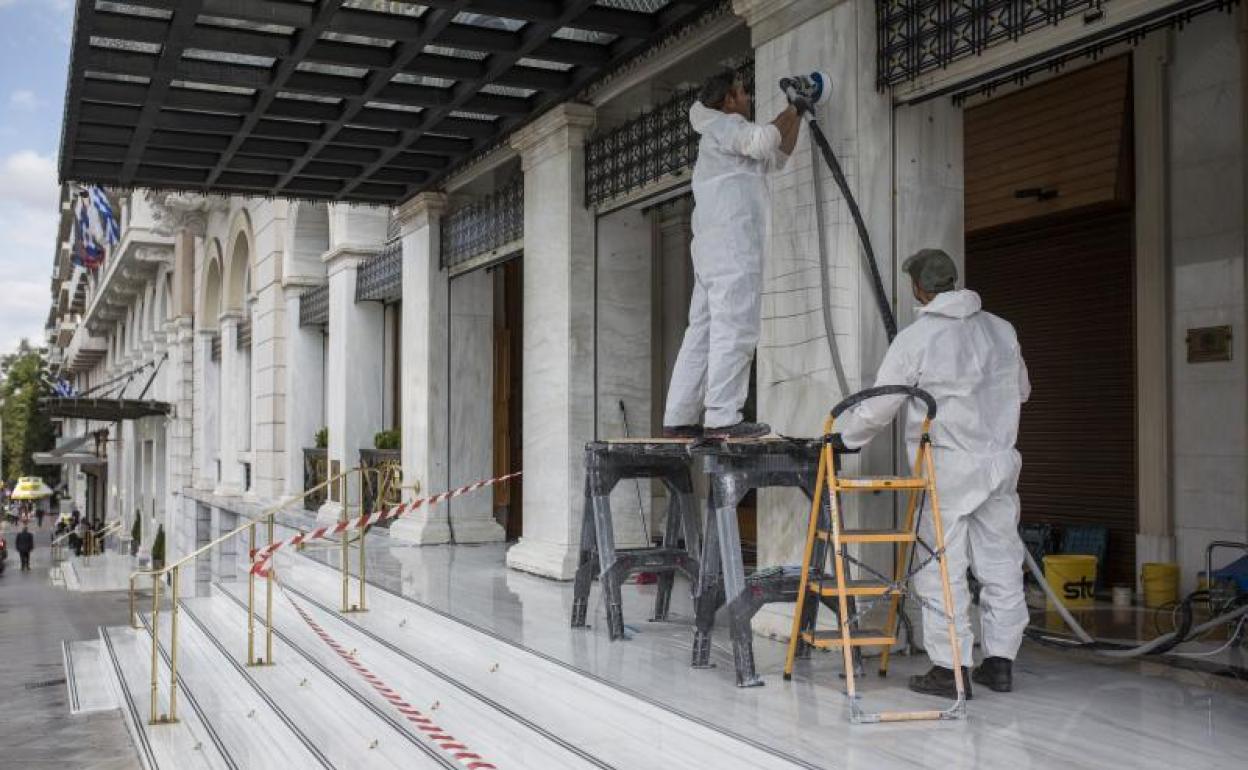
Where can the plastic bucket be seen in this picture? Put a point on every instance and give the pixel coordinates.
(1159, 582)
(1072, 577)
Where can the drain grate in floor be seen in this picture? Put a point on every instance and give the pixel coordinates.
(45, 683)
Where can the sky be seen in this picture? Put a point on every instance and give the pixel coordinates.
(34, 57)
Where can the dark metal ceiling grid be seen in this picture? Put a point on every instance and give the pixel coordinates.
(357, 100)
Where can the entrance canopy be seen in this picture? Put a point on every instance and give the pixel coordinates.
(103, 409)
(349, 100)
(74, 451)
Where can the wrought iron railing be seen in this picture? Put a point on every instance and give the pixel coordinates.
(484, 225)
(243, 339)
(380, 279)
(215, 352)
(314, 306)
(918, 36)
(315, 471)
(656, 145)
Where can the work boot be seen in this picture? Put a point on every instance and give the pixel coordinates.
(995, 673)
(682, 431)
(742, 429)
(939, 681)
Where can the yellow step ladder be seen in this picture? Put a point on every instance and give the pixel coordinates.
(827, 528)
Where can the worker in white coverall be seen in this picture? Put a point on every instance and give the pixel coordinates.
(969, 361)
(729, 229)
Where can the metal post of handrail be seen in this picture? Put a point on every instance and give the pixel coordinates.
(134, 618)
(173, 649)
(363, 530)
(251, 597)
(343, 516)
(155, 720)
(268, 603)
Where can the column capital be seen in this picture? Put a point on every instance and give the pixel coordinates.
(768, 19)
(348, 257)
(419, 210)
(562, 128)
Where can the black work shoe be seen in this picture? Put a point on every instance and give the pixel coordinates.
(742, 429)
(682, 431)
(995, 673)
(939, 681)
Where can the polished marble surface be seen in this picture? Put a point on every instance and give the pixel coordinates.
(1066, 711)
(108, 571)
(86, 677)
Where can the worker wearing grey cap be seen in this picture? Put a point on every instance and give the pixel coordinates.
(969, 360)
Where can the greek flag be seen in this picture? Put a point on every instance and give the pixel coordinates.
(63, 389)
(108, 223)
(87, 251)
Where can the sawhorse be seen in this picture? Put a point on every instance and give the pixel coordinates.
(606, 464)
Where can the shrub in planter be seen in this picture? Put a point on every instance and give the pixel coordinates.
(388, 439)
(136, 534)
(322, 438)
(158, 548)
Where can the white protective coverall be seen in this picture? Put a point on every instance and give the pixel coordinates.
(969, 361)
(729, 230)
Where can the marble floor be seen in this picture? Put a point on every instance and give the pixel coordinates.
(1067, 710)
(108, 571)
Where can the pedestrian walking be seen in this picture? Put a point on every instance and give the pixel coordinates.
(25, 544)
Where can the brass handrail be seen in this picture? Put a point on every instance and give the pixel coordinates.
(174, 570)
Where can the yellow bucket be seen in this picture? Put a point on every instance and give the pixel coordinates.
(1073, 578)
(1160, 583)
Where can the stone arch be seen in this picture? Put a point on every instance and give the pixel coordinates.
(208, 311)
(307, 240)
(239, 250)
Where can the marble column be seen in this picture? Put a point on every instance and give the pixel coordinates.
(354, 384)
(796, 379)
(208, 409)
(471, 392)
(305, 388)
(558, 411)
(268, 355)
(424, 362)
(230, 412)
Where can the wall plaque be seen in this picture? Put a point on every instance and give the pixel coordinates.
(1208, 344)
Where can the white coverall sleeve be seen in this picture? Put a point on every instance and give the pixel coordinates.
(757, 142)
(1024, 382)
(860, 424)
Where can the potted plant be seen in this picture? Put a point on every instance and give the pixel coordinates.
(158, 548)
(322, 438)
(388, 439)
(136, 534)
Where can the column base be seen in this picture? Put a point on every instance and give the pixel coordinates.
(421, 530)
(329, 512)
(478, 530)
(539, 557)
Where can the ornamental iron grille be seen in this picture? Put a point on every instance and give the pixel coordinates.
(242, 340)
(315, 473)
(380, 279)
(346, 100)
(655, 145)
(215, 350)
(314, 306)
(484, 225)
(918, 36)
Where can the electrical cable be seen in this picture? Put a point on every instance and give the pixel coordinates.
(825, 281)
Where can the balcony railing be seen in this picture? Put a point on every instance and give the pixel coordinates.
(484, 226)
(380, 279)
(314, 306)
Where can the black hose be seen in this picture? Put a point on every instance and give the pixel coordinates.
(877, 283)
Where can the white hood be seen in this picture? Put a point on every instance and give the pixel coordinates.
(962, 303)
(700, 116)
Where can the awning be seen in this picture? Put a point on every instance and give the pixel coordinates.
(330, 100)
(70, 452)
(103, 409)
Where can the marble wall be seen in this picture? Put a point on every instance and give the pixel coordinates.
(624, 354)
(304, 401)
(1207, 222)
(268, 351)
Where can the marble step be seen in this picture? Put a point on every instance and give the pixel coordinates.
(608, 726)
(350, 729)
(252, 730)
(190, 744)
(86, 676)
(474, 721)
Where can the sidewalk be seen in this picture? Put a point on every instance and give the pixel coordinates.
(36, 728)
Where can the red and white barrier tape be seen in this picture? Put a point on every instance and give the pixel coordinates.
(442, 738)
(260, 558)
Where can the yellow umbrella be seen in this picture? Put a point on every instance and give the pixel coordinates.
(30, 488)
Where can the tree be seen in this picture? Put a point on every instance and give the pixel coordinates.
(26, 429)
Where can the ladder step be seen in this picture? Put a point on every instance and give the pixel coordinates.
(876, 483)
(853, 587)
(871, 535)
(860, 637)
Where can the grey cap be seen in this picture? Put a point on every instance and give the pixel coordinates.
(932, 269)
